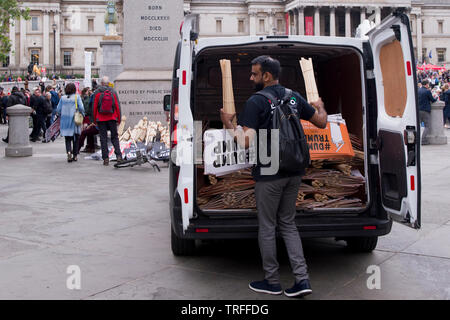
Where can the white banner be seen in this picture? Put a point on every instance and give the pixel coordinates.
(87, 68)
(223, 155)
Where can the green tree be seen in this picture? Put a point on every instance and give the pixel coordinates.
(9, 10)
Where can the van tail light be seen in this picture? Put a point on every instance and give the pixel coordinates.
(186, 195)
(370, 227)
(201, 230)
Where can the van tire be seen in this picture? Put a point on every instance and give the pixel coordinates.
(362, 244)
(182, 247)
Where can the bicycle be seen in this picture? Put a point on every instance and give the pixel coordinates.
(157, 151)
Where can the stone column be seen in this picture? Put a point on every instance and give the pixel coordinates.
(317, 21)
(23, 41)
(58, 38)
(271, 22)
(252, 15)
(332, 21)
(377, 15)
(419, 37)
(348, 28)
(46, 39)
(301, 20)
(19, 141)
(12, 37)
(362, 14)
(295, 20)
(436, 134)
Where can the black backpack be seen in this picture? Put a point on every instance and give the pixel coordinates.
(293, 148)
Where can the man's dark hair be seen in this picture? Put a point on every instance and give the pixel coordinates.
(70, 89)
(424, 82)
(268, 64)
(14, 89)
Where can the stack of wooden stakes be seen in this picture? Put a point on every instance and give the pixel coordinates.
(143, 132)
(330, 183)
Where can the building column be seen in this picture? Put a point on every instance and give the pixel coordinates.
(301, 20)
(317, 21)
(295, 26)
(362, 14)
(23, 41)
(272, 25)
(332, 21)
(58, 38)
(252, 15)
(46, 39)
(377, 15)
(12, 37)
(419, 37)
(348, 26)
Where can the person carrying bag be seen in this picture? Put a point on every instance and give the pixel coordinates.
(71, 110)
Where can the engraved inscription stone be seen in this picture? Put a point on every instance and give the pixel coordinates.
(150, 37)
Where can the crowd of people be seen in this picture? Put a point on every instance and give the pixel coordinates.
(433, 86)
(99, 106)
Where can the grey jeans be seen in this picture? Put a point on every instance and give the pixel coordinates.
(425, 117)
(275, 202)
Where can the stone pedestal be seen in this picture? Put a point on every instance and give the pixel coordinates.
(19, 143)
(112, 58)
(150, 37)
(436, 134)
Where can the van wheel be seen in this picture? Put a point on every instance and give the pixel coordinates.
(362, 244)
(182, 247)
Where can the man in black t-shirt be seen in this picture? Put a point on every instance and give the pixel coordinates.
(275, 194)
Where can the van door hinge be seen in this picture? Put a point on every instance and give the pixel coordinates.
(370, 74)
(397, 33)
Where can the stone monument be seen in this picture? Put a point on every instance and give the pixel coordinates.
(150, 36)
(436, 134)
(111, 45)
(19, 141)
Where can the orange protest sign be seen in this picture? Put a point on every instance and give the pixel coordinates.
(331, 142)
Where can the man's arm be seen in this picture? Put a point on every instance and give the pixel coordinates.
(243, 135)
(320, 117)
(430, 96)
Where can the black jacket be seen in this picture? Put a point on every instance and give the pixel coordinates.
(16, 98)
(425, 99)
(37, 103)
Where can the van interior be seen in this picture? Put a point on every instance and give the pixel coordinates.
(331, 65)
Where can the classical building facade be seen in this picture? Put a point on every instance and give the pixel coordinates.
(59, 31)
(430, 20)
(57, 35)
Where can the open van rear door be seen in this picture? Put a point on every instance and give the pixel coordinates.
(185, 126)
(398, 127)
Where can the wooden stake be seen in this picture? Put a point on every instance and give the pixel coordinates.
(227, 88)
(310, 82)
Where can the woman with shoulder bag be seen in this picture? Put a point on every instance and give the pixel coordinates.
(71, 110)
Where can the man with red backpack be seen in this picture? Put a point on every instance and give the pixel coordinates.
(107, 116)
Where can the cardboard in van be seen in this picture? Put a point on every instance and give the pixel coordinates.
(331, 142)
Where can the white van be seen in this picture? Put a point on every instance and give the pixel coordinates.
(372, 83)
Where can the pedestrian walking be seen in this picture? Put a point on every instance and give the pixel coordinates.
(37, 103)
(276, 194)
(446, 99)
(67, 106)
(3, 106)
(107, 115)
(425, 100)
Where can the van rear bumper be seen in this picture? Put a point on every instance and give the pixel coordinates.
(309, 227)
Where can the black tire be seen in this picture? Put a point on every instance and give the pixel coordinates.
(126, 163)
(181, 247)
(362, 244)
